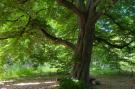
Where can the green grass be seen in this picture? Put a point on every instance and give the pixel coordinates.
(17, 71)
(110, 72)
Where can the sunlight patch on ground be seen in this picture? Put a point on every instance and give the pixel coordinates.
(3, 88)
(1, 83)
(49, 82)
(23, 84)
(34, 83)
(56, 85)
(5, 81)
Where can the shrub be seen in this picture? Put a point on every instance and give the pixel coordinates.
(69, 83)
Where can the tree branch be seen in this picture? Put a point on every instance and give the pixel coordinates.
(112, 45)
(52, 37)
(114, 21)
(96, 2)
(97, 16)
(14, 34)
(12, 20)
(115, 1)
(122, 28)
(71, 7)
(58, 40)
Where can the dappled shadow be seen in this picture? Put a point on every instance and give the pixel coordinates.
(29, 84)
(116, 83)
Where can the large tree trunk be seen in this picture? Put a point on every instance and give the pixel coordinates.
(86, 11)
(83, 53)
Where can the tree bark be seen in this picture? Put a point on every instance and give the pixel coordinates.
(83, 52)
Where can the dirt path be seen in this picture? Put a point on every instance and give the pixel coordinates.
(51, 83)
(116, 83)
(36, 83)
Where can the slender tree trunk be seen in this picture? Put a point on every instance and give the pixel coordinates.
(83, 53)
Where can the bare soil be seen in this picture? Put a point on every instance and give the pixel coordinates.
(116, 82)
(30, 83)
(51, 83)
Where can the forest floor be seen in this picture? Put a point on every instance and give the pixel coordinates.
(51, 83)
(116, 82)
(30, 83)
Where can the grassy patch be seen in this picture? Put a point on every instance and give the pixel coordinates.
(111, 72)
(17, 71)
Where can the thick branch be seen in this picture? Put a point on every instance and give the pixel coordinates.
(4, 38)
(58, 40)
(15, 20)
(97, 16)
(112, 45)
(114, 21)
(96, 3)
(14, 34)
(52, 37)
(71, 7)
(115, 1)
(121, 27)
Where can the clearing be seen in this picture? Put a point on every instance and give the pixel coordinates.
(116, 82)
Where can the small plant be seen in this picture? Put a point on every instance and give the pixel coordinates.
(69, 83)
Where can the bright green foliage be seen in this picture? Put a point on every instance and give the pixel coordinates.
(67, 83)
(22, 41)
(18, 70)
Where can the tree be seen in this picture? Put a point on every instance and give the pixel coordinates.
(87, 12)
(87, 18)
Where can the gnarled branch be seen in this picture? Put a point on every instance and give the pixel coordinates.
(57, 40)
(14, 34)
(52, 37)
(71, 7)
(99, 39)
(7, 35)
(121, 27)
